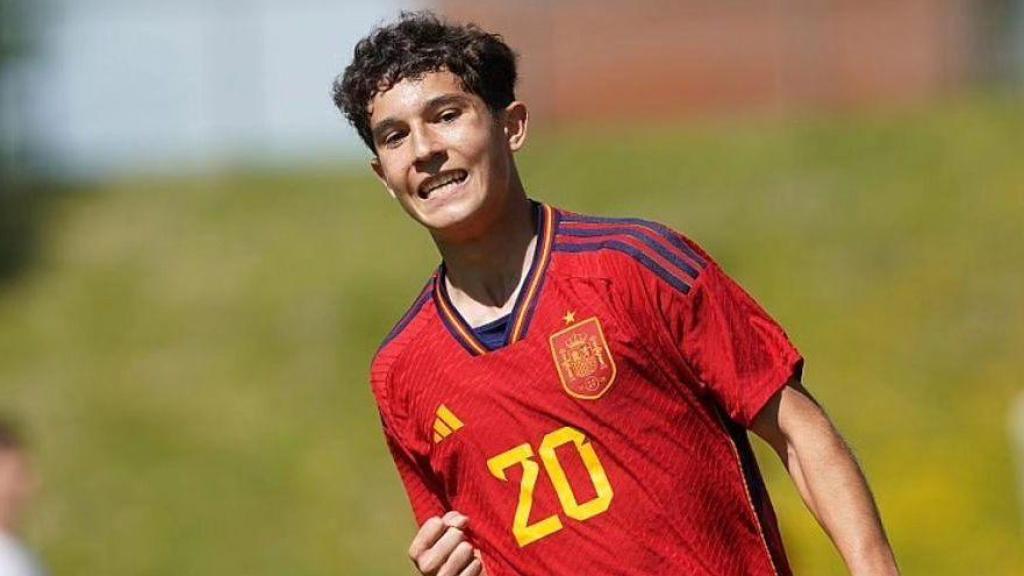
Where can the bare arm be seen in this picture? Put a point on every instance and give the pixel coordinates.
(828, 478)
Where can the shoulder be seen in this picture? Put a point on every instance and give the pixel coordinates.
(407, 318)
(642, 249)
(15, 560)
(396, 345)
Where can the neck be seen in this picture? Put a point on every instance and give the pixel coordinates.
(484, 273)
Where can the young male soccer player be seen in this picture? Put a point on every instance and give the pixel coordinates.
(16, 486)
(570, 395)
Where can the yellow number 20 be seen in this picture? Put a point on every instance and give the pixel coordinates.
(524, 532)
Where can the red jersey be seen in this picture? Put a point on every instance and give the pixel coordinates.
(608, 435)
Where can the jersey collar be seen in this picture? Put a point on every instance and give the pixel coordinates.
(526, 300)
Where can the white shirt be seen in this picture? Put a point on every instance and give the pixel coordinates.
(15, 559)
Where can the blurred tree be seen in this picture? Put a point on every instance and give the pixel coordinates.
(20, 197)
(12, 45)
(999, 40)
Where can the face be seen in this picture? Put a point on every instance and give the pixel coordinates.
(16, 486)
(443, 154)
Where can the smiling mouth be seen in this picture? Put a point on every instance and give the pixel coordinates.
(441, 182)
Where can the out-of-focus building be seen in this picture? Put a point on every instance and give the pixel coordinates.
(1015, 25)
(100, 87)
(596, 59)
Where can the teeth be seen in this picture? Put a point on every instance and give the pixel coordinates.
(443, 180)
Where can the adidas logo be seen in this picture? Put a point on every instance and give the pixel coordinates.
(445, 423)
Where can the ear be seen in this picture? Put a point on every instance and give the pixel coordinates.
(379, 171)
(516, 118)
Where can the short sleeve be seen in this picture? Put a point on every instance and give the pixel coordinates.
(420, 486)
(734, 346)
(410, 454)
(737, 352)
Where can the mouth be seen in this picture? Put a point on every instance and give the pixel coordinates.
(441, 183)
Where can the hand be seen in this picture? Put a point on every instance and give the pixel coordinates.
(440, 548)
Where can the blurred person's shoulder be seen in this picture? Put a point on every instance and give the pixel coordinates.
(15, 559)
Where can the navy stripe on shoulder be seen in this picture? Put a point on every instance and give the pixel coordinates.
(409, 315)
(647, 240)
(664, 231)
(619, 246)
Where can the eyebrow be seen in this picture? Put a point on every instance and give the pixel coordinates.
(433, 103)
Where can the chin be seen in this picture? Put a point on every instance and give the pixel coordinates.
(458, 218)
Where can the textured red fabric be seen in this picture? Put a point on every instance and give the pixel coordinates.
(674, 489)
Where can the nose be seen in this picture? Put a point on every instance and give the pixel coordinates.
(425, 144)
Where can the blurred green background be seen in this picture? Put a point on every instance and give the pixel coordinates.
(190, 355)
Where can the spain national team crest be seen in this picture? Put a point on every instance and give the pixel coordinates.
(583, 359)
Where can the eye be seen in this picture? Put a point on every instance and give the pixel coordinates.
(449, 115)
(393, 139)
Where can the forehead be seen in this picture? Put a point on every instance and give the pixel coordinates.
(409, 96)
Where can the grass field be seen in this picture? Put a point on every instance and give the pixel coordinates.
(191, 355)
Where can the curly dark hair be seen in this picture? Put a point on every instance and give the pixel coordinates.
(416, 44)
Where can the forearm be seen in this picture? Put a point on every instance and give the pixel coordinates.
(828, 478)
(834, 488)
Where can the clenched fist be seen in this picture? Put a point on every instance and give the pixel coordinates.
(440, 548)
